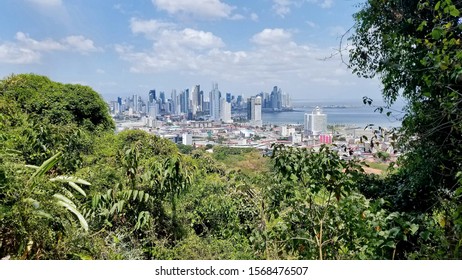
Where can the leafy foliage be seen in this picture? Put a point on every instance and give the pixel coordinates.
(414, 47)
(151, 199)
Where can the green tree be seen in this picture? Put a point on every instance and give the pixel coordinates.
(414, 48)
(313, 210)
(41, 118)
(43, 99)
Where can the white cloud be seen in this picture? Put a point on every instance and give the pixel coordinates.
(26, 50)
(254, 16)
(203, 9)
(52, 9)
(12, 54)
(196, 39)
(168, 36)
(311, 24)
(282, 7)
(150, 28)
(76, 43)
(237, 17)
(327, 4)
(275, 59)
(45, 45)
(172, 48)
(79, 43)
(272, 37)
(46, 3)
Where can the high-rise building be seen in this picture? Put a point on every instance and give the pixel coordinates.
(176, 109)
(316, 122)
(215, 96)
(152, 96)
(254, 111)
(184, 101)
(239, 101)
(152, 110)
(136, 105)
(162, 97)
(286, 102)
(119, 101)
(276, 99)
(187, 139)
(225, 111)
(195, 99)
(200, 102)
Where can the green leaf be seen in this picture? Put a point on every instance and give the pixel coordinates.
(66, 179)
(135, 194)
(436, 33)
(422, 25)
(414, 228)
(120, 206)
(77, 188)
(328, 177)
(69, 205)
(454, 11)
(437, 6)
(46, 166)
(43, 214)
(113, 208)
(389, 244)
(61, 197)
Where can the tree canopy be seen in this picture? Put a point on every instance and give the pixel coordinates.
(47, 101)
(414, 48)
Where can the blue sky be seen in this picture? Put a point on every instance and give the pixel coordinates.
(131, 46)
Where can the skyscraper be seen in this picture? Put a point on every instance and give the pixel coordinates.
(162, 97)
(195, 99)
(176, 110)
(136, 106)
(152, 96)
(215, 96)
(200, 102)
(225, 111)
(316, 122)
(254, 111)
(184, 101)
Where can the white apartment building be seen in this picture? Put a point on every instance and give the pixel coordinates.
(316, 122)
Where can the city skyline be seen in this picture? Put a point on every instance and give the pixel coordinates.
(119, 48)
(191, 105)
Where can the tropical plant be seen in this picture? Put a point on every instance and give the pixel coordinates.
(34, 210)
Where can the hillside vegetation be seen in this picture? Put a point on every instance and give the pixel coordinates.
(70, 188)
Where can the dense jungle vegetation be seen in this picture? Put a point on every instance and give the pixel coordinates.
(70, 188)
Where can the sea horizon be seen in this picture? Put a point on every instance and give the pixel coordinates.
(338, 113)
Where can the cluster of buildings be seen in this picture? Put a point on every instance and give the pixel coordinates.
(191, 117)
(275, 101)
(195, 105)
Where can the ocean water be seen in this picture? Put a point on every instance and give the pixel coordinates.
(350, 115)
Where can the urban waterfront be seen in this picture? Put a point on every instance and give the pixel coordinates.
(349, 115)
